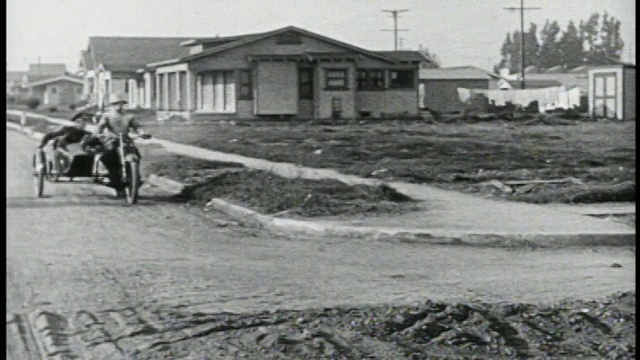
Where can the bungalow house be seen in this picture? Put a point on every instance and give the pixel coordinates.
(285, 72)
(111, 64)
(439, 86)
(56, 90)
(14, 83)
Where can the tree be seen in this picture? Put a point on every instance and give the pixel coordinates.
(570, 45)
(589, 30)
(551, 53)
(531, 46)
(611, 44)
(506, 52)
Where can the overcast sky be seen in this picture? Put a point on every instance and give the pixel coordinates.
(459, 32)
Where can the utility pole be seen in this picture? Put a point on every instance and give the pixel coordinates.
(522, 9)
(395, 30)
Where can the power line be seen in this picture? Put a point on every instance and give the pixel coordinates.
(395, 30)
(522, 9)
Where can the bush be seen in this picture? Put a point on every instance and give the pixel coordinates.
(72, 106)
(11, 99)
(53, 109)
(32, 103)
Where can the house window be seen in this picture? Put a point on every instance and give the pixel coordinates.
(217, 91)
(126, 86)
(306, 84)
(370, 79)
(336, 79)
(54, 90)
(401, 79)
(78, 90)
(246, 92)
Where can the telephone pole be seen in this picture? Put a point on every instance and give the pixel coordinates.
(395, 30)
(522, 9)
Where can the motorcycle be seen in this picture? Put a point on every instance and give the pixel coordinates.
(84, 166)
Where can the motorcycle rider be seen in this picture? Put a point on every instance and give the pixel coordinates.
(111, 124)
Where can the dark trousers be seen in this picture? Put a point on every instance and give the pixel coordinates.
(111, 160)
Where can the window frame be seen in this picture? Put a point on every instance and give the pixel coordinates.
(327, 78)
(365, 84)
(402, 86)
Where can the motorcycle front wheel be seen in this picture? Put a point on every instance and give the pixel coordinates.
(132, 182)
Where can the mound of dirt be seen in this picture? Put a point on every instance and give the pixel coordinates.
(271, 194)
(434, 330)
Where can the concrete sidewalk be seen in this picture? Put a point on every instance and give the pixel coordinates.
(447, 215)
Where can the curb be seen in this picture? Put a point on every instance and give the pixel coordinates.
(406, 235)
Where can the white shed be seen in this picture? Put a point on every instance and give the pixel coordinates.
(612, 92)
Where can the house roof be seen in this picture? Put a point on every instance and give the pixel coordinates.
(15, 75)
(33, 78)
(404, 55)
(52, 79)
(535, 84)
(128, 54)
(555, 69)
(218, 39)
(247, 39)
(87, 60)
(457, 73)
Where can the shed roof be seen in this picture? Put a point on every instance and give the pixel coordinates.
(457, 73)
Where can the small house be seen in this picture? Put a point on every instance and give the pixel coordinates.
(612, 92)
(58, 90)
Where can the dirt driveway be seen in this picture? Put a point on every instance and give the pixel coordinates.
(102, 266)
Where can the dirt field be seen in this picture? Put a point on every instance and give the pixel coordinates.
(590, 161)
(273, 194)
(600, 155)
(434, 330)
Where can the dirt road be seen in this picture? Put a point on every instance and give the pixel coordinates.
(114, 278)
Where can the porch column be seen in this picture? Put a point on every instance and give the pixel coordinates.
(165, 91)
(158, 105)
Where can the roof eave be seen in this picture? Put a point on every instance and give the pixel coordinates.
(165, 62)
(246, 41)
